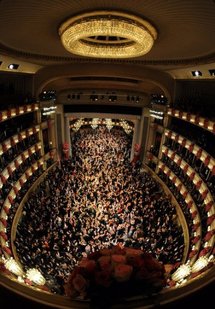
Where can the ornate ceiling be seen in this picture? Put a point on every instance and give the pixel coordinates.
(186, 36)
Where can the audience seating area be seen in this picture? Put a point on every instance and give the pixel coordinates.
(22, 161)
(184, 164)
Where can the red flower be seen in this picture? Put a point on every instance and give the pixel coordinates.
(118, 259)
(69, 287)
(94, 255)
(109, 268)
(104, 261)
(142, 274)
(105, 251)
(79, 283)
(122, 272)
(136, 261)
(152, 264)
(118, 250)
(88, 265)
(103, 278)
(133, 252)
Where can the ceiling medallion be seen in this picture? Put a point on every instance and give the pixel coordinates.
(107, 34)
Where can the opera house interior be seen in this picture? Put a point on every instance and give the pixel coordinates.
(107, 156)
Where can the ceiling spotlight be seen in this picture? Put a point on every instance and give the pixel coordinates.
(13, 66)
(196, 73)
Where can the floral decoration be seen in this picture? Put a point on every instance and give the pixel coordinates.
(116, 273)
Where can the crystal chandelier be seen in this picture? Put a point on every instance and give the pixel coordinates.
(107, 34)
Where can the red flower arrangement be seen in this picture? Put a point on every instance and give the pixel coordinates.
(116, 273)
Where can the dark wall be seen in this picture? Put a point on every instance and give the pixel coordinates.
(92, 108)
(14, 88)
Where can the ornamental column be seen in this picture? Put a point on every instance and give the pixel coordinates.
(145, 128)
(67, 134)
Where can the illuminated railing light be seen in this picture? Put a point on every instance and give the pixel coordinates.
(13, 267)
(181, 273)
(201, 263)
(35, 276)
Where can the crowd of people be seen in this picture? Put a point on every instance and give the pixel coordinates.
(94, 200)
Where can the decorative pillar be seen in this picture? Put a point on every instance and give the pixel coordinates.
(67, 134)
(60, 128)
(51, 131)
(166, 121)
(135, 138)
(145, 126)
